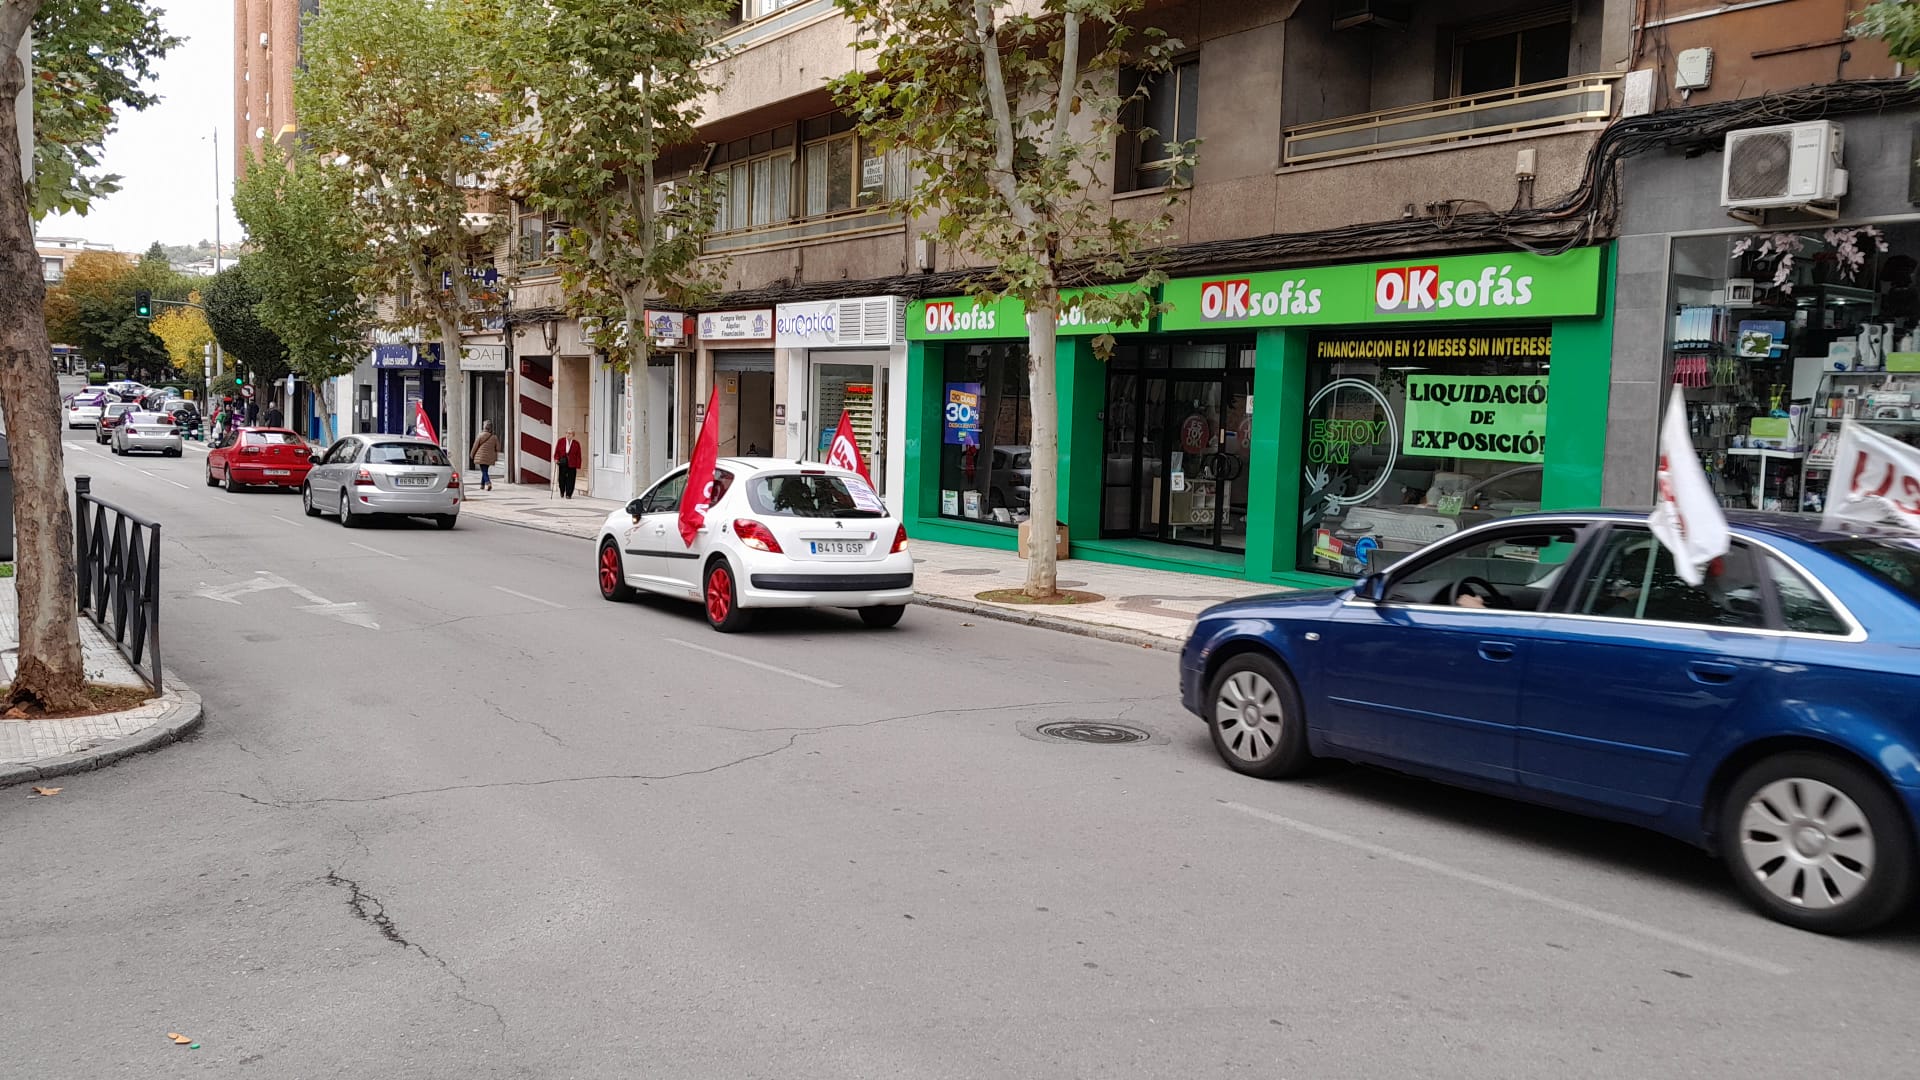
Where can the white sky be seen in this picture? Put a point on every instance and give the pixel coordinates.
(165, 154)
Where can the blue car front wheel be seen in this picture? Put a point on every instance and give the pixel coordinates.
(1258, 724)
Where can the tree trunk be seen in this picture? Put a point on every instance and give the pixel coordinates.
(452, 397)
(50, 674)
(640, 464)
(1043, 493)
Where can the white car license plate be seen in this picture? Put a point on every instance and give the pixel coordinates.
(277, 472)
(838, 547)
(413, 481)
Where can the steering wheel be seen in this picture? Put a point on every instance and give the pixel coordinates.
(1480, 587)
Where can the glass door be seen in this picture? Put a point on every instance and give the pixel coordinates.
(856, 386)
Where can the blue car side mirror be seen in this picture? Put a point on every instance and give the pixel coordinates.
(1372, 587)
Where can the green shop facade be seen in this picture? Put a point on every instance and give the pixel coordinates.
(1296, 426)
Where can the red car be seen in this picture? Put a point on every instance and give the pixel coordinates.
(259, 457)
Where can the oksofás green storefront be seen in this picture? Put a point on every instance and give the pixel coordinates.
(1296, 426)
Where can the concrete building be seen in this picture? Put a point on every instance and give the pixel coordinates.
(1344, 145)
(266, 53)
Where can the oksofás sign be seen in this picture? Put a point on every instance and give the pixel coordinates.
(965, 318)
(1506, 285)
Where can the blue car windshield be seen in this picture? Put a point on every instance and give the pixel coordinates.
(1896, 562)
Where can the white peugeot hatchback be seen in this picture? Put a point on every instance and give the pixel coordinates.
(778, 534)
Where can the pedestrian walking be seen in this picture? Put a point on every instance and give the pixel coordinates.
(253, 412)
(274, 417)
(486, 451)
(566, 462)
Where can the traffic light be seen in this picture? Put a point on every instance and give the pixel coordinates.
(143, 304)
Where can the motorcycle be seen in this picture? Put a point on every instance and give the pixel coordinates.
(187, 420)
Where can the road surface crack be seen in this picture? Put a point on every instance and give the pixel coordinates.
(542, 728)
(368, 909)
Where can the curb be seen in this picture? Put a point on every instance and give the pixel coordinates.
(183, 715)
(527, 525)
(971, 607)
(1049, 622)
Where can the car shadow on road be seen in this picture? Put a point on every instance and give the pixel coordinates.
(1610, 846)
(775, 623)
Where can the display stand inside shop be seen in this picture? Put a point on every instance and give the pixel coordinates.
(1779, 337)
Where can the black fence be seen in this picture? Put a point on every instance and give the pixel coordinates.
(117, 565)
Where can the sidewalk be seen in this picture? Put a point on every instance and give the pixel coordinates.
(1150, 607)
(36, 749)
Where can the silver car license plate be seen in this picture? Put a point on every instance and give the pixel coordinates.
(838, 547)
(413, 481)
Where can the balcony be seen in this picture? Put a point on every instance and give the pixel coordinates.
(859, 222)
(1583, 100)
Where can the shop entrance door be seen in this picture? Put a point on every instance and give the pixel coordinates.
(1176, 461)
(856, 384)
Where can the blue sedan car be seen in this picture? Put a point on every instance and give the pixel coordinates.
(1770, 715)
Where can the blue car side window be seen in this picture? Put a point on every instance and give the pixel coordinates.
(1634, 578)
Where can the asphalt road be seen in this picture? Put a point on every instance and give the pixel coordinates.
(511, 830)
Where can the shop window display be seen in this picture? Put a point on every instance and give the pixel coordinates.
(987, 422)
(1780, 336)
(1178, 430)
(1411, 436)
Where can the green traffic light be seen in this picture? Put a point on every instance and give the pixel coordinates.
(143, 304)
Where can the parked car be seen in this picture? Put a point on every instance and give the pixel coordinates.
(1012, 479)
(778, 534)
(84, 408)
(258, 457)
(361, 477)
(1767, 715)
(110, 415)
(146, 431)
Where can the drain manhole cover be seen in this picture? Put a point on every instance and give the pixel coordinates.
(1098, 732)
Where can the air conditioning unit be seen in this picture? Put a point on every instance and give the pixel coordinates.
(1797, 165)
(1387, 14)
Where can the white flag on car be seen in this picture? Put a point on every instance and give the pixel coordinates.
(1876, 480)
(1686, 515)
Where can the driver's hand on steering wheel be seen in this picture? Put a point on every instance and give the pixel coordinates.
(1468, 600)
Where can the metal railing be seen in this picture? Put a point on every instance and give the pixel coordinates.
(1580, 99)
(117, 569)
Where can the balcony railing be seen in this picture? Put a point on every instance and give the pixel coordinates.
(775, 22)
(863, 219)
(1581, 99)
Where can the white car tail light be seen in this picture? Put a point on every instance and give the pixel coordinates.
(899, 540)
(756, 536)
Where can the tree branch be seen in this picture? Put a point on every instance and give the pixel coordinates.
(1003, 141)
(1069, 78)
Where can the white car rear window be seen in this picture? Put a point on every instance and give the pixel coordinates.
(812, 495)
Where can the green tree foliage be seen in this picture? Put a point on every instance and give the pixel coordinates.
(310, 270)
(1013, 112)
(394, 100)
(233, 299)
(91, 59)
(93, 308)
(612, 85)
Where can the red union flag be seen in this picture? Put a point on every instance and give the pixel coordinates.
(1876, 480)
(1686, 516)
(422, 426)
(706, 450)
(844, 451)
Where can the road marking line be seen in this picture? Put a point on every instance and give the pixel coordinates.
(755, 663)
(1618, 922)
(524, 596)
(377, 551)
(283, 521)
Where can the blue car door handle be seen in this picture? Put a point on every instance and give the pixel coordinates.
(1706, 671)
(1496, 651)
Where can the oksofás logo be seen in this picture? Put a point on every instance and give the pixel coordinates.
(1411, 290)
(1236, 299)
(943, 318)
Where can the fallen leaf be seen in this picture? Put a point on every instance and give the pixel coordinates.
(178, 1038)
(48, 790)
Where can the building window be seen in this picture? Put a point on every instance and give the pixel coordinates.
(986, 427)
(51, 269)
(616, 402)
(845, 172)
(760, 9)
(1411, 436)
(1168, 113)
(1506, 53)
(756, 180)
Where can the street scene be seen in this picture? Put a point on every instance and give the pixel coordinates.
(865, 538)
